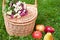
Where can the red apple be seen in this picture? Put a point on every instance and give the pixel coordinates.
(37, 35)
(40, 28)
(49, 29)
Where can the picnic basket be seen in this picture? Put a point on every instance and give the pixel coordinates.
(21, 26)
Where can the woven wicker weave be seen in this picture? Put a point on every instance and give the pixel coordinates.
(22, 26)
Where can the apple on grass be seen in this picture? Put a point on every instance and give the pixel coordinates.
(37, 35)
(48, 36)
(49, 29)
(40, 28)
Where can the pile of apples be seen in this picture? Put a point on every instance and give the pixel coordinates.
(41, 28)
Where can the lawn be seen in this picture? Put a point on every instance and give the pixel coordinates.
(48, 14)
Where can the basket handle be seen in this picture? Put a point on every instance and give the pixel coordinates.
(36, 3)
(3, 4)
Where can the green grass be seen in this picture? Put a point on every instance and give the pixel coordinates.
(49, 14)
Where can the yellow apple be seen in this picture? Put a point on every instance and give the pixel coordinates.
(48, 36)
(40, 28)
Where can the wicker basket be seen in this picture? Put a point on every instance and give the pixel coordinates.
(22, 26)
